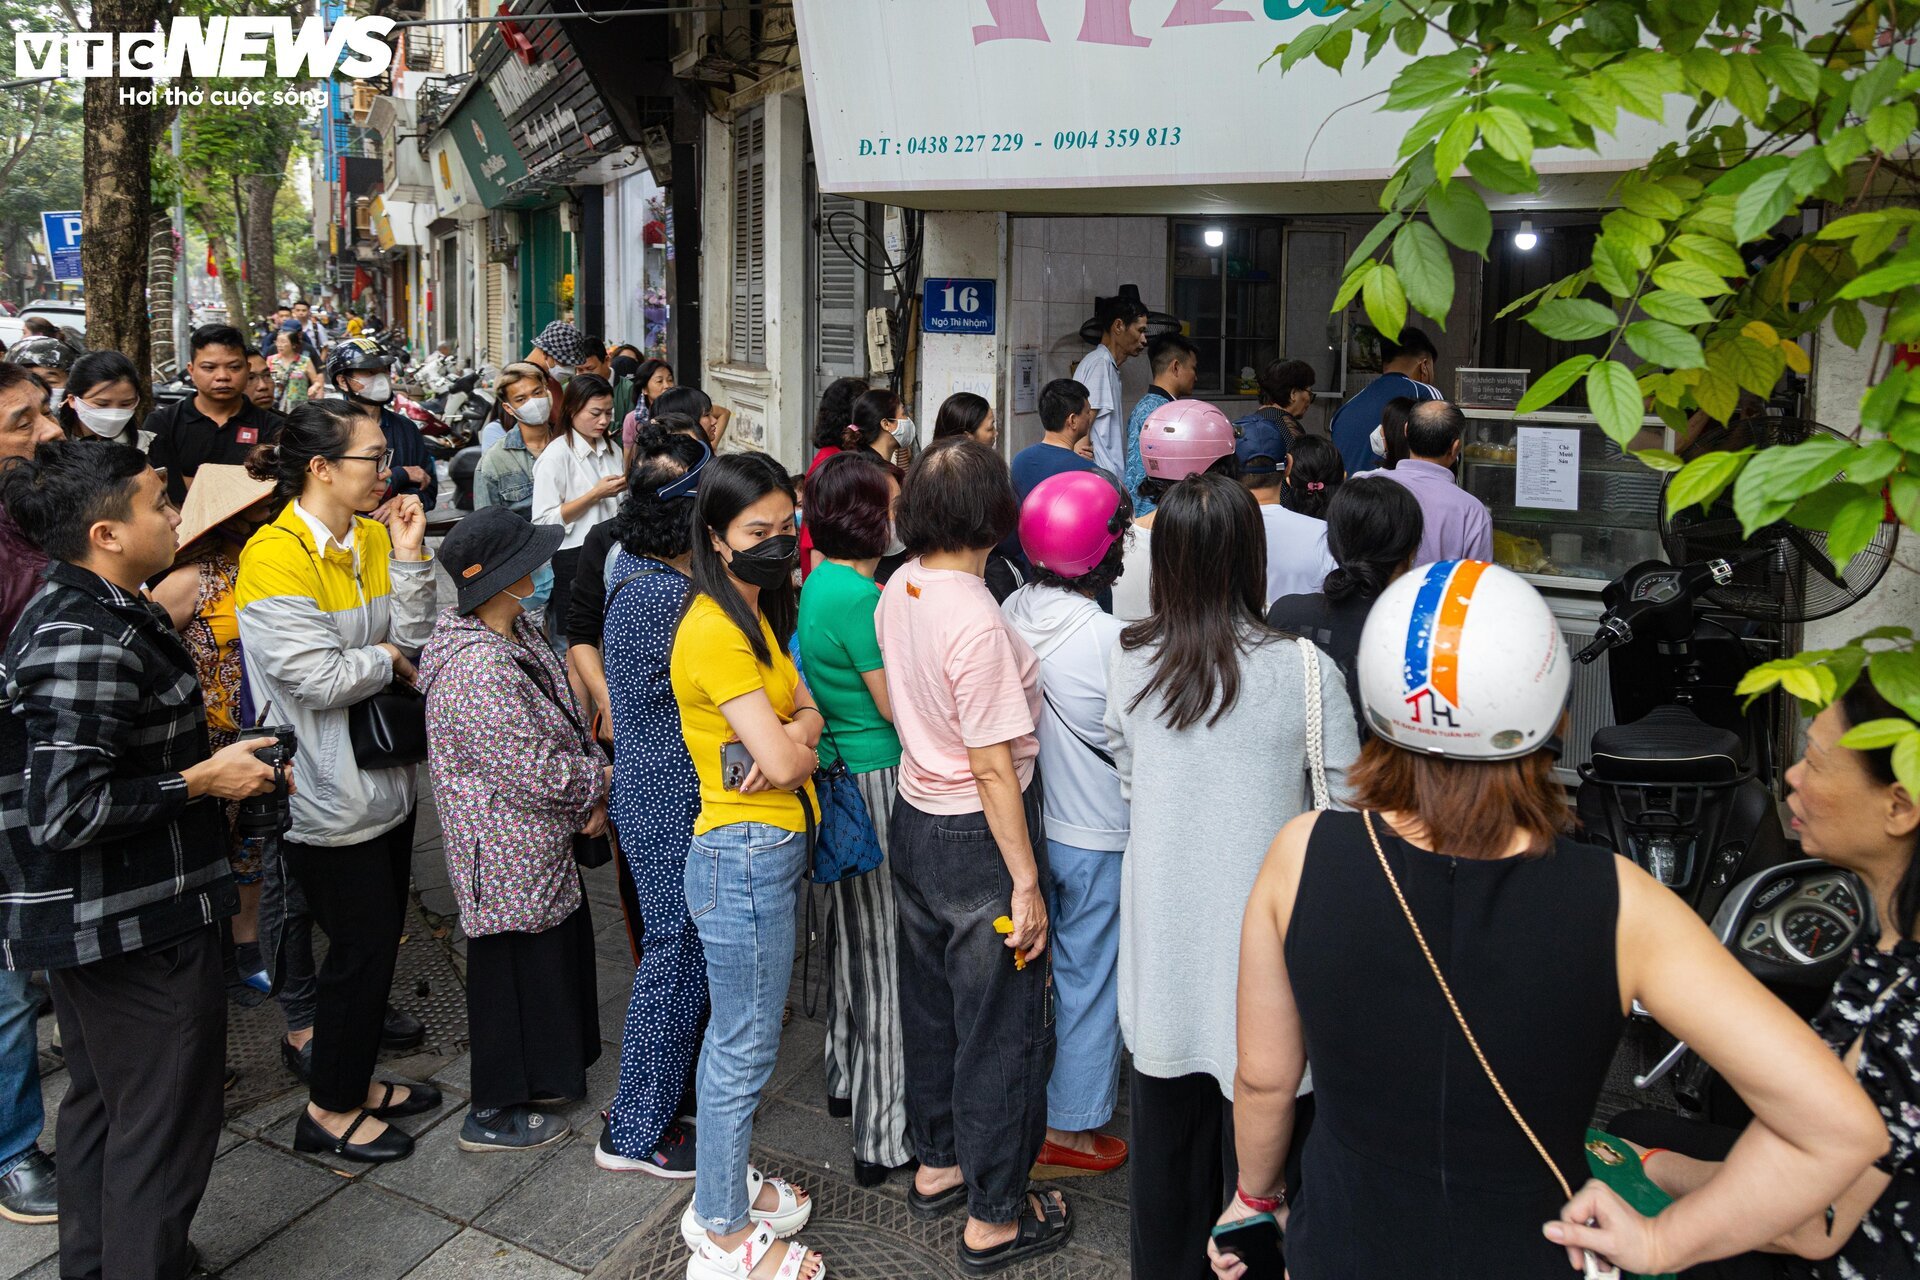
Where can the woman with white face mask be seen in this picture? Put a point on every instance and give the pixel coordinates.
(102, 395)
(525, 411)
(516, 775)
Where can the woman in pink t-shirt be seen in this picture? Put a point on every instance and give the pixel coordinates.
(967, 850)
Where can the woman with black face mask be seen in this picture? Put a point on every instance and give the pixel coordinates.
(751, 727)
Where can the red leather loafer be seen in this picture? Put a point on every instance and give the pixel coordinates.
(1055, 1161)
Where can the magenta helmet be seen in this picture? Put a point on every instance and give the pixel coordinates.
(1069, 521)
(1183, 438)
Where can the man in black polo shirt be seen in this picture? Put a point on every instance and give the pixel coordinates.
(219, 424)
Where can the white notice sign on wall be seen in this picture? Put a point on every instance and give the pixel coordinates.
(1026, 379)
(1547, 469)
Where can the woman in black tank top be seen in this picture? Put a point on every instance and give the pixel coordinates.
(1417, 1166)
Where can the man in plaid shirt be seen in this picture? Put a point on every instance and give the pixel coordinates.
(114, 860)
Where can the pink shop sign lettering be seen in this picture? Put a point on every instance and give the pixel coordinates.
(1111, 21)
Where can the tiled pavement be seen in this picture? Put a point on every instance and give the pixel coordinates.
(443, 1214)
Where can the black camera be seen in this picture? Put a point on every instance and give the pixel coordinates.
(270, 814)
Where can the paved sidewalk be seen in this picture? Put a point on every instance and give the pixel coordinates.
(272, 1214)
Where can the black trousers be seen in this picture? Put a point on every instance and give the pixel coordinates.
(358, 894)
(977, 1032)
(144, 1036)
(534, 1018)
(1180, 1170)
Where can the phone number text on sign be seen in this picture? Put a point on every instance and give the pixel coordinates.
(945, 144)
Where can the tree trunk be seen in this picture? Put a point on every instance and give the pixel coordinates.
(118, 157)
(160, 273)
(261, 192)
(230, 290)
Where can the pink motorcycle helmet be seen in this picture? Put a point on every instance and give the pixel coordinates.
(1070, 521)
(1183, 438)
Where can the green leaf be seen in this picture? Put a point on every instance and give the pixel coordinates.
(1903, 493)
(1430, 80)
(1573, 319)
(1880, 82)
(1754, 366)
(1689, 278)
(1640, 83)
(1292, 51)
(1613, 397)
(1666, 345)
(1718, 394)
(1455, 142)
(1816, 685)
(1674, 308)
(1650, 201)
(1855, 223)
(1882, 401)
(1808, 172)
(1355, 280)
(1761, 205)
(1385, 300)
(1876, 461)
(1334, 49)
(1425, 269)
(1633, 228)
(1746, 173)
(1792, 70)
(1659, 459)
(1461, 216)
(1368, 243)
(1553, 384)
(1906, 763)
(1747, 88)
(1849, 323)
(1780, 476)
(1613, 23)
(1706, 70)
(1883, 633)
(1890, 124)
(1714, 216)
(1849, 513)
(1497, 173)
(1872, 735)
(1709, 253)
(1892, 278)
(1507, 133)
(1896, 674)
(1614, 268)
(1846, 146)
(1704, 479)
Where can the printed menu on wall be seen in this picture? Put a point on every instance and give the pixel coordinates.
(1547, 469)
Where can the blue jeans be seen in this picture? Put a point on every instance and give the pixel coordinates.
(22, 1114)
(743, 884)
(1083, 900)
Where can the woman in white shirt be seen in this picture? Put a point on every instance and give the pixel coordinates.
(578, 481)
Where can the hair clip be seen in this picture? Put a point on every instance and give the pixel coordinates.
(1314, 486)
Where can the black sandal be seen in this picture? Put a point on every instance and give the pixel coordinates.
(939, 1204)
(1038, 1235)
(420, 1099)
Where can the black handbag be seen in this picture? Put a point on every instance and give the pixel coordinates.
(592, 851)
(389, 730)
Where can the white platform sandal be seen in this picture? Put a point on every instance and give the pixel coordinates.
(711, 1262)
(787, 1216)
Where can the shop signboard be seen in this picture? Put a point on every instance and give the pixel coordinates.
(453, 193)
(493, 162)
(1098, 95)
(554, 112)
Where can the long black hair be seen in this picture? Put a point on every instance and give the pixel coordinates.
(1314, 473)
(960, 415)
(1209, 596)
(870, 415)
(1860, 704)
(1373, 528)
(728, 486)
(1393, 429)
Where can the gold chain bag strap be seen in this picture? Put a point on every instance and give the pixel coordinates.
(1595, 1269)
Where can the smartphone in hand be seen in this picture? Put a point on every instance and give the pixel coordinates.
(1256, 1242)
(736, 762)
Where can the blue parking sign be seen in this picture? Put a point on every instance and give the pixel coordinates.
(957, 306)
(63, 242)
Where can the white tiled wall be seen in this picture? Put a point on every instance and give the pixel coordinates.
(1060, 265)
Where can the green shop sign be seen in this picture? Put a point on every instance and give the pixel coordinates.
(492, 159)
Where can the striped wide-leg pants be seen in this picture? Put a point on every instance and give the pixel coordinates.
(865, 1059)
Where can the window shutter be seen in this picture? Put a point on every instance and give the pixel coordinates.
(496, 312)
(748, 344)
(839, 289)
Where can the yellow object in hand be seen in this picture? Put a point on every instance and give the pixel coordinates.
(1004, 924)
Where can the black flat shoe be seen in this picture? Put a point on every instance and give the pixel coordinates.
(872, 1175)
(839, 1108)
(299, 1061)
(402, 1030)
(926, 1208)
(420, 1099)
(309, 1137)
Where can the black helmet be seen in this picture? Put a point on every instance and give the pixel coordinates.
(356, 355)
(44, 353)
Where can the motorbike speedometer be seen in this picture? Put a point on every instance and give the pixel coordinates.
(1814, 933)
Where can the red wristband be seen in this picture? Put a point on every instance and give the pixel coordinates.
(1260, 1204)
(1649, 1154)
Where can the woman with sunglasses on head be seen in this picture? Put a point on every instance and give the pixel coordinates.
(750, 727)
(333, 606)
(1462, 972)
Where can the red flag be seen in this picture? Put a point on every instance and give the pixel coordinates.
(212, 270)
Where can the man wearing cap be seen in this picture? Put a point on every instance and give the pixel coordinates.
(558, 350)
(357, 368)
(1297, 558)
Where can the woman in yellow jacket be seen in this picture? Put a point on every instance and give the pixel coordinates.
(332, 606)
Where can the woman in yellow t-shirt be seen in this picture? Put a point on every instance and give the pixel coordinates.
(751, 727)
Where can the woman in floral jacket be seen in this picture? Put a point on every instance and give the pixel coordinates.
(515, 776)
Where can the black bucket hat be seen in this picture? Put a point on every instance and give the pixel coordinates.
(492, 549)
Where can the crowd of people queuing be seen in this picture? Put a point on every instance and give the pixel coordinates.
(1103, 753)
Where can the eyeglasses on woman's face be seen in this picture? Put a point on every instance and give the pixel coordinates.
(381, 460)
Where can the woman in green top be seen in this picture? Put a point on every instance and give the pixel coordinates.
(849, 508)
(293, 372)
